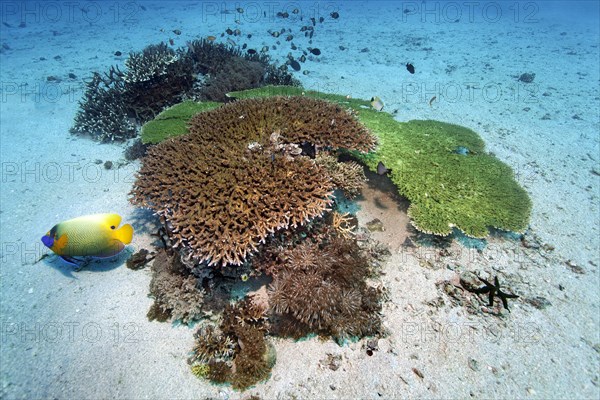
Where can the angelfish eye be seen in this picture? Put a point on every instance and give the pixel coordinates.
(112, 227)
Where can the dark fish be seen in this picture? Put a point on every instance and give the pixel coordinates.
(282, 31)
(334, 15)
(308, 149)
(6, 24)
(295, 65)
(250, 51)
(264, 49)
(240, 10)
(143, 8)
(304, 28)
(410, 68)
(237, 32)
(305, 72)
(249, 36)
(289, 38)
(229, 31)
(177, 32)
(312, 19)
(118, 53)
(285, 14)
(321, 19)
(316, 52)
(381, 169)
(244, 46)
(295, 11)
(72, 75)
(275, 34)
(294, 47)
(302, 58)
(310, 35)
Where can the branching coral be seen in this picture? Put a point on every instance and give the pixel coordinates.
(174, 289)
(238, 352)
(223, 188)
(321, 288)
(116, 103)
(441, 168)
(103, 113)
(347, 176)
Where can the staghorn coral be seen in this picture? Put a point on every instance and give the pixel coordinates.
(211, 344)
(321, 287)
(224, 187)
(116, 103)
(347, 176)
(103, 113)
(156, 78)
(174, 290)
(217, 60)
(239, 73)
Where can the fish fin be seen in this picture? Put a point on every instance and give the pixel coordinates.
(72, 261)
(60, 244)
(124, 234)
(115, 248)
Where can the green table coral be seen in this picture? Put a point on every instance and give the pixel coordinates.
(441, 168)
(173, 121)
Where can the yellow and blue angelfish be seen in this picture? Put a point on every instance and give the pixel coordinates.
(96, 235)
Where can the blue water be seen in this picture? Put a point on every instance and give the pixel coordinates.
(84, 334)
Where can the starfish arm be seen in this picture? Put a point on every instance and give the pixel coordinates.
(491, 296)
(484, 289)
(486, 282)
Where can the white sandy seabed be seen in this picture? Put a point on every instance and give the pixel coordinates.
(85, 334)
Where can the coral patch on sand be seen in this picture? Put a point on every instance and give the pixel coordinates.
(239, 175)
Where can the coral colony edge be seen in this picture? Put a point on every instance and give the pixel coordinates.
(246, 171)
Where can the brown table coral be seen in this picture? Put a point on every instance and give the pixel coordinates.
(239, 176)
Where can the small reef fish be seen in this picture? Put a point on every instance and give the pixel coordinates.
(295, 65)
(382, 169)
(410, 68)
(211, 38)
(96, 235)
(334, 15)
(315, 51)
(377, 103)
(177, 32)
(462, 150)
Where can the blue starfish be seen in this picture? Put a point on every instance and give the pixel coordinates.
(494, 290)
